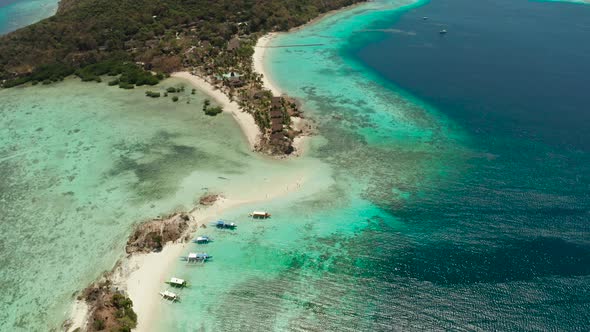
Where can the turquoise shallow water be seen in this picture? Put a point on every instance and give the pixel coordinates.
(15, 14)
(412, 218)
(309, 267)
(80, 164)
(430, 224)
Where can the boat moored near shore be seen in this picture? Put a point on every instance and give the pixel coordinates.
(170, 296)
(224, 224)
(202, 239)
(260, 215)
(177, 282)
(195, 257)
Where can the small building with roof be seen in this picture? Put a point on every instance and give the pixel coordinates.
(277, 126)
(276, 114)
(233, 44)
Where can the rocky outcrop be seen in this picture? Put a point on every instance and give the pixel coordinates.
(209, 199)
(110, 309)
(152, 235)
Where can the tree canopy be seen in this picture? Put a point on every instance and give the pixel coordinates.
(156, 33)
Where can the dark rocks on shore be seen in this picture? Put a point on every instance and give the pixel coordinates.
(209, 199)
(110, 309)
(152, 235)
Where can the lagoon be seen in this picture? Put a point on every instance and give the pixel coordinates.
(421, 209)
(439, 217)
(82, 163)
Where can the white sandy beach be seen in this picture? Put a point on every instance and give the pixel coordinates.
(258, 62)
(301, 142)
(142, 276)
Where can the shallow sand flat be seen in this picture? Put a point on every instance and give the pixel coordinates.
(251, 178)
(245, 120)
(83, 162)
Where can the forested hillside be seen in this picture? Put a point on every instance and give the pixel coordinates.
(156, 32)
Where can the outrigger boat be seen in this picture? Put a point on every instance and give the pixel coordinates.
(224, 224)
(167, 295)
(198, 257)
(260, 215)
(176, 282)
(202, 239)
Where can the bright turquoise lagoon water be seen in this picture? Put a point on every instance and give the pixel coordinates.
(439, 218)
(81, 163)
(310, 267)
(435, 202)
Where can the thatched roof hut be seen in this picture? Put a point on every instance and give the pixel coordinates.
(233, 44)
(276, 114)
(277, 126)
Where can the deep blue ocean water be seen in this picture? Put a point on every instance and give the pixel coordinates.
(462, 167)
(507, 67)
(464, 159)
(506, 244)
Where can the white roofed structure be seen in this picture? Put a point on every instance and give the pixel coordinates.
(260, 214)
(169, 295)
(177, 281)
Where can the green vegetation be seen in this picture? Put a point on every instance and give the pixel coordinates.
(98, 324)
(125, 85)
(213, 111)
(130, 74)
(86, 32)
(175, 98)
(152, 94)
(206, 104)
(126, 317)
(45, 74)
(131, 39)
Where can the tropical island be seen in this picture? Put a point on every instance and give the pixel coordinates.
(139, 44)
(142, 42)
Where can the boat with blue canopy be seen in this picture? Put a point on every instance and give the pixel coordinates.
(225, 224)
